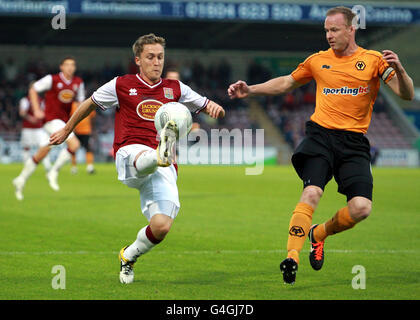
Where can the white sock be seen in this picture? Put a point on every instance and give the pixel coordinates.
(26, 154)
(62, 158)
(28, 168)
(47, 163)
(146, 163)
(138, 247)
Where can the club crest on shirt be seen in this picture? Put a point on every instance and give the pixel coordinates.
(168, 92)
(146, 109)
(360, 65)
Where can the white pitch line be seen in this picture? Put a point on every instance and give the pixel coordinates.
(204, 252)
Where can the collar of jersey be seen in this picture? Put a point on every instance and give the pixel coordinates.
(63, 78)
(150, 86)
(355, 54)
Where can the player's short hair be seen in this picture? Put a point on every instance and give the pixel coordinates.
(67, 58)
(150, 38)
(347, 13)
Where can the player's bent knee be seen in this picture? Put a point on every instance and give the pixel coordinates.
(311, 195)
(73, 144)
(360, 208)
(160, 225)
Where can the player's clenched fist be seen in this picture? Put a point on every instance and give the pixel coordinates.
(392, 58)
(239, 90)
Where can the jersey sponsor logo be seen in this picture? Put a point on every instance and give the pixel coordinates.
(59, 85)
(148, 108)
(345, 91)
(66, 96)
(132, 92)
(325, 66)
(360, 65)
(168, 92)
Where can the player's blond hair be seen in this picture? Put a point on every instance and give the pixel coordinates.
(347, 13)
(150, 38)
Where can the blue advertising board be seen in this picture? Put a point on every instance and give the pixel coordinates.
(281, 12)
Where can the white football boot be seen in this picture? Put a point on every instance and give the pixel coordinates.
(19, 183)
(126, 268)
(52, 177)
(166, 150)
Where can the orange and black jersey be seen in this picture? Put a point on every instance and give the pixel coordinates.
(346, 87)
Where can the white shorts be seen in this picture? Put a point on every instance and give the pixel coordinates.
(158, 191)
(53, 126)
(31, 137)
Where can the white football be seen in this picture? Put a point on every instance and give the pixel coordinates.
(177, 112)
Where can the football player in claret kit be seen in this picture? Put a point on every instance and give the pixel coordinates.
(60, 91)
(348, 79)
(32, 134)
(144, 162)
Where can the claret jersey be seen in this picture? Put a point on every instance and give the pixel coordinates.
(59, 95)
(346, 87)
(136, 103)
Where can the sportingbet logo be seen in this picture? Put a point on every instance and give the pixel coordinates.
(346, 91)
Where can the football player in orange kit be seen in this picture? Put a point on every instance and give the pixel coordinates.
(348, 80)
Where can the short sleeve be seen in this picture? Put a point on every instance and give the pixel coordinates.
(80, 97)
(303, 73)
(106, 96)
(43, 84)
(385, 71)
(24, 104)
(191, 99)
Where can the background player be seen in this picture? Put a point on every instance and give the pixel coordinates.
(348, 80)
(142, 162)
(32, 135)
(60, 91)
(83, 132)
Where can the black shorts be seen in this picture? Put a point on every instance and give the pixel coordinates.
(325, 153)
(85, 141)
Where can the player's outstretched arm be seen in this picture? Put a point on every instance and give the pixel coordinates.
(272, 87)
(82, 112)
(401, 84)
(214, 110)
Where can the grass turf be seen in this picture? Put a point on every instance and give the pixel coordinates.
(226, 243)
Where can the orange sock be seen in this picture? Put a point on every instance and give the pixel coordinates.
(73, 159)
(89, 157)
(298, 229)
(340, 222)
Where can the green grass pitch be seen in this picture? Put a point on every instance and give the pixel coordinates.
(226, 243)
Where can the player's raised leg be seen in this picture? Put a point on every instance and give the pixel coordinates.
(166, 152)
(357, 209)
